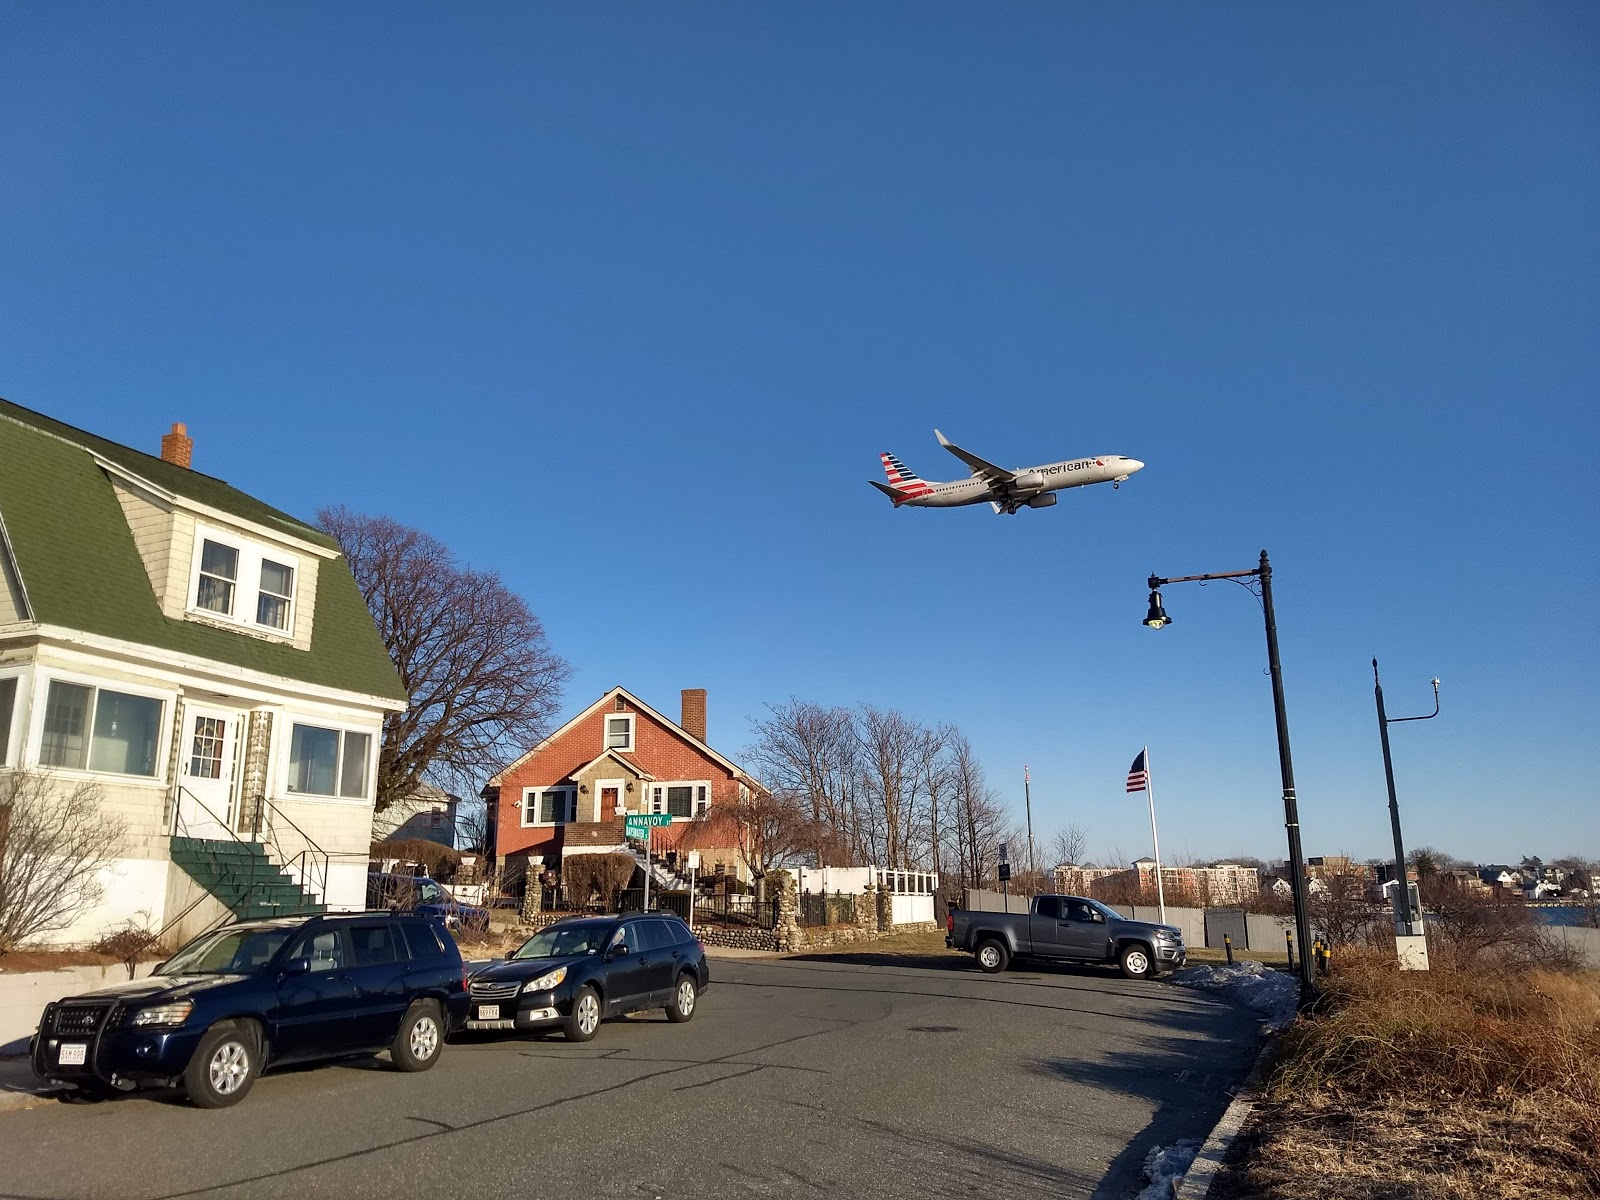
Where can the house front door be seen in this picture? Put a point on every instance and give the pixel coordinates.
(608, 802)
(206, 770)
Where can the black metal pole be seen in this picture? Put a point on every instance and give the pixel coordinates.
(1402, 894)
(1291, 808)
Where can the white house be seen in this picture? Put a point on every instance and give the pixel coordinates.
(204, 660)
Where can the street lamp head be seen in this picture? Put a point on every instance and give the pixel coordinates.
(1157, 616)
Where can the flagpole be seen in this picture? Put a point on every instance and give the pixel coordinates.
(1150, 791)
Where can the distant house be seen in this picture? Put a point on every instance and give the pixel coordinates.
(571, 793)
(204, 660)
(428, 814)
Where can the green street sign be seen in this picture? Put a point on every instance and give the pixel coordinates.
(640, 824)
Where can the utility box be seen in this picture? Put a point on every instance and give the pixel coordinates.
(1412, 951)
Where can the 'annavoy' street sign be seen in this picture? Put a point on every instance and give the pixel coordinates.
(638, 825)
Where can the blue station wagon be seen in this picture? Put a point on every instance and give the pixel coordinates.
(572, 974)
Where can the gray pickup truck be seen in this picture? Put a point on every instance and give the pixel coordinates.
(1066, 927)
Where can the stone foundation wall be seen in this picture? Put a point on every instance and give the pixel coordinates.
(738, 939)
(817, 937)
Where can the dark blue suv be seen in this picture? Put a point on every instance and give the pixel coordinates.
(254, 995)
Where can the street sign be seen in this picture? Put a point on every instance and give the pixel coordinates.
(1005, 872)
(638, 825)
(1004, 857)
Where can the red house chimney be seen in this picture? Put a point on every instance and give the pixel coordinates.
(694, 712)
(177, 447)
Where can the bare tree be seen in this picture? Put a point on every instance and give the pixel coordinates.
(980, 822)
(809, 752)
(1069, 844)
(55, 843)
(892, 748)
(473, 657)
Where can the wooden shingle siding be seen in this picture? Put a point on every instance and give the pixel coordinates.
(151, 525)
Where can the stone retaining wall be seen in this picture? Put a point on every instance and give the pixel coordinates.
(817, 937)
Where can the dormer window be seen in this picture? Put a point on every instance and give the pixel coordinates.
(242, 582)
(219, 576)
(276, 596)
(619, 732)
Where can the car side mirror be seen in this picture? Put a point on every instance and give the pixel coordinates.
(619, 950)
(297, 966)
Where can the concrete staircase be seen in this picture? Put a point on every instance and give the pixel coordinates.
(243, 878)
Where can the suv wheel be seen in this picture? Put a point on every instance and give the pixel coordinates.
(992, 957)
(684, 994)
(585, 1019)
(224, 1066)
(1136, 962)
(421, 1038)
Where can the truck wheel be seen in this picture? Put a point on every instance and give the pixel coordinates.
(992, 957)
(1136, 962)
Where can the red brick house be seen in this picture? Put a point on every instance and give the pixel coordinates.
(570, 793)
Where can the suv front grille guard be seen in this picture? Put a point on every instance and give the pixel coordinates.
(64, 1020)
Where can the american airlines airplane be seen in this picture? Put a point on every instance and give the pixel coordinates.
(1006, 491)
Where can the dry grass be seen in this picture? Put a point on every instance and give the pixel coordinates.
(1453, 1082)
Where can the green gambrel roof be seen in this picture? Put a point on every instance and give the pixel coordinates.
(81, 568)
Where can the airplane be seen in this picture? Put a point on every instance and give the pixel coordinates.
(1005, 491)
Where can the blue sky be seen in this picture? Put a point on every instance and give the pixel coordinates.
(623, 301)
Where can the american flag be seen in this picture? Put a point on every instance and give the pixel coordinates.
(1139, 774)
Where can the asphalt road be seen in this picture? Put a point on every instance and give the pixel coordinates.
(796, 1078)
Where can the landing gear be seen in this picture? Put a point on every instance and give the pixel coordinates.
(1115, 485)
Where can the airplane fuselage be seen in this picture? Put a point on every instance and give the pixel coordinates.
(1033, 481)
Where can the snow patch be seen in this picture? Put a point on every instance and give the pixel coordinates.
(1165, 1167)
(1274, 994)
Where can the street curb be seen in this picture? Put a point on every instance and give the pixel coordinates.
(1202, 1172)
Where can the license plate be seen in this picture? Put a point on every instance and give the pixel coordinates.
(73, 1054)
(486, 1012)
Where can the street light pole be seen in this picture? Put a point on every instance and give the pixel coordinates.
(1291, 808)
(1402, 895)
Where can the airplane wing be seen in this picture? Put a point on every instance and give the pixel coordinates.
(996, 477)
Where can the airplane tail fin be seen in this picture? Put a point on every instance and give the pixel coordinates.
(902, 478)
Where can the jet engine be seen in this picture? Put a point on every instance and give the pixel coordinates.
(1028, 481)
(1044, 501)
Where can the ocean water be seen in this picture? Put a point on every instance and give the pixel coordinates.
(1559, 916)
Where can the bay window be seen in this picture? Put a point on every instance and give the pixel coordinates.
(97, 729)
(329, 762)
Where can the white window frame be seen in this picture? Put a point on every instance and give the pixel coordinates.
(698, 805)
(247, 587)
(530, 806)
(631, 719)
(34, 747)
(285, 742)
(16, 741)
(599, 786)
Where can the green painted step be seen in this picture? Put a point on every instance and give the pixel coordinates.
(240, 875)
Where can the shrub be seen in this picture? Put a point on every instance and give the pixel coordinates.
(55, 844)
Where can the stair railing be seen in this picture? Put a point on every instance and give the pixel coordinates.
(311, 861)
(224, 872)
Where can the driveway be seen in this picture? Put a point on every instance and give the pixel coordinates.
(796, 1078)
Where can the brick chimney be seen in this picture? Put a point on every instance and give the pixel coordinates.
(694, 712)
(177, 447)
